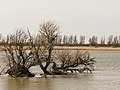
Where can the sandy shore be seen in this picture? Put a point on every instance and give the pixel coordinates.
(85, 48)
(82, 48)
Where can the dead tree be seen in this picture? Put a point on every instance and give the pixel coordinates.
(24, 50)
(73, 61)
(20, 58)
(43, 52)
(43, 49)
(0, 37)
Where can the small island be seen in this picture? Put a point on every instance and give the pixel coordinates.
(50, 51)
(23, 51)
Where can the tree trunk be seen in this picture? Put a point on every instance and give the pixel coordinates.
(44, 69)
(19, 71)
(49, 58)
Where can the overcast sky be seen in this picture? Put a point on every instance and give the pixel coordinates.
(77, 17)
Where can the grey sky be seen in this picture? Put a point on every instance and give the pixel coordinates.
(77, 17)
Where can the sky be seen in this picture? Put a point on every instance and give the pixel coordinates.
(74, 17)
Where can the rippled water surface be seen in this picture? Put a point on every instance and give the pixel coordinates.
(105, 77)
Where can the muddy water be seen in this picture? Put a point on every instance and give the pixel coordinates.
(105, 77)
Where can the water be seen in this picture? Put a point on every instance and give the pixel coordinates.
(105, 77)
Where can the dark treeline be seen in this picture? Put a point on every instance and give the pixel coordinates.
(74, 40)
(92, 41)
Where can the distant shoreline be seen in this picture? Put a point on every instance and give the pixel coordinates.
(86, 48)
(83, 48)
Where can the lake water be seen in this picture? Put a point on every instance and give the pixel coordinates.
(105, 77)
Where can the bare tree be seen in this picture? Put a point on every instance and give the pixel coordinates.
(93, 40)
(102, 42)
(19, 58)
(58, 40)
(43, 51)
(72, 61)
(71, 39)
(119, 40)
(115, 41)
(0, 39)
(75, 40)
(82, 40)
(110, 40)
(0, 36)
(65, 39)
